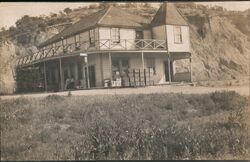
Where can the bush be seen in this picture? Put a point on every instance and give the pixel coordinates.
(54, 98)
(228, 100)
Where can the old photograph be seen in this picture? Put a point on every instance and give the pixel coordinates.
(125, 80)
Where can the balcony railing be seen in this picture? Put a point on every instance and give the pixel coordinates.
(98, 45)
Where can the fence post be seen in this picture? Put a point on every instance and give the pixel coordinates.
(134, 77)
(145, 77)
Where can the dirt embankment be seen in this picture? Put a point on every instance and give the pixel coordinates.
(7, 63)
(219, 50)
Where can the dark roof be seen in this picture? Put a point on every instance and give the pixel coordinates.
(86, 22)
(120, 17)
(168, 14)
(111, 16)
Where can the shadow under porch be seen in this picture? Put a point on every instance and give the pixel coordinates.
(53, 75)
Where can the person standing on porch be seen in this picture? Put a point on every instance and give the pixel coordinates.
(68, 80)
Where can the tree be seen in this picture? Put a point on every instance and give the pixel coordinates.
(53, 14)
(3, 29)
(67, 10)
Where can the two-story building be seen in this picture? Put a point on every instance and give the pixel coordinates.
(111, 48)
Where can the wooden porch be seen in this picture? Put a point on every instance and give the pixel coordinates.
(72, 49)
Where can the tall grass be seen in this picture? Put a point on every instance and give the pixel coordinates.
(148, 126)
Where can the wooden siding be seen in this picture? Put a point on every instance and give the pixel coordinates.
(178, 47)
(147, 34)
(94, 59)
(125, 34)
(159, 77)
(159, 32)
(106, 66)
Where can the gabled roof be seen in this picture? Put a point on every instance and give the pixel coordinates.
(119, 17)
(168, 14)
(86, 22)
(111, 16)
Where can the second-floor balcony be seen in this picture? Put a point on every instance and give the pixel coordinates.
(94, 46)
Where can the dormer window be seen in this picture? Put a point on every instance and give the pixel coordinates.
(115, 35)
(177, 34)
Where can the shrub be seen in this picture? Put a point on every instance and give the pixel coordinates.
(228, 100)
(54, 98)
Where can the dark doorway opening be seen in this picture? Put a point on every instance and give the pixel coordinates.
(92, 78)
(166, 67)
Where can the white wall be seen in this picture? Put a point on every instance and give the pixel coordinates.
(178, 47)
(125, 34)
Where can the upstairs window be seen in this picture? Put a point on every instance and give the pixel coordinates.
(91, 36)
(115, 35)
(177, 34)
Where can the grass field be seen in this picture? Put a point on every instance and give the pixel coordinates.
(136, 126)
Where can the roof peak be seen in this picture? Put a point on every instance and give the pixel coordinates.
(106, 12)
(168, 14)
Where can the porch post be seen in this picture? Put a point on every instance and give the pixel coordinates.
(76, 77)
(110, 64)
(169, 70)
(190, 64)
(45, 76)
(61, 75)
(87, 64)
(142, 57)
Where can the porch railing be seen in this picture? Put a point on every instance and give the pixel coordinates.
(97, 45)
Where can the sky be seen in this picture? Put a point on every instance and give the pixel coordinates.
(10, 12)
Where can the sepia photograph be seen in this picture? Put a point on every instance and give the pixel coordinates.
(164, 80)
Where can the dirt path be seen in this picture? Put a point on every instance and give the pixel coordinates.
(243, 90)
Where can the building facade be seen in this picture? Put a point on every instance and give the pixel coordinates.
(111, 48)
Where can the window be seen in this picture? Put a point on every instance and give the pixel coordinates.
(115, 35)
(151, 65)
(92, 36)
(177, 34)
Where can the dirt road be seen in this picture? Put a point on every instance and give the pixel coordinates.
(186, 89)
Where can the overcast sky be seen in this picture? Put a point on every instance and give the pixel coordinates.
(12, 11)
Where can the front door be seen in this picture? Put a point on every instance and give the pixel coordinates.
(166, 68)
(92, 78)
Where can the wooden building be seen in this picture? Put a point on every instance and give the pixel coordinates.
(111, 48)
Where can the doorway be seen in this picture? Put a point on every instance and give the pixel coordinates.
(92, 78)
(166, 69)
